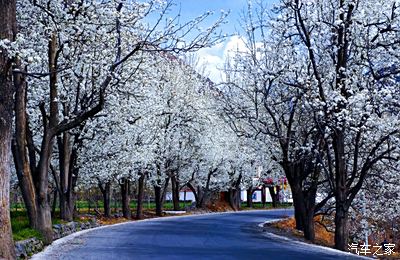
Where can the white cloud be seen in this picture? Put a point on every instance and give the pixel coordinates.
(235, 44)
(212, 60)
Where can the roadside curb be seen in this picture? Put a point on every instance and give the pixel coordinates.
(322, 249)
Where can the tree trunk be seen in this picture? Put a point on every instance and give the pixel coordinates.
(195, 194)
(304, 210)
(309, 230)
(8, 31)
(89, 199)
(25, 162)
(341, 216)
(158, 200)
(236, 193)
(299, 210)
(263, 197)
(66, 207)
(175, 193)
(278, 191)
(139, 207)
(126, 210)
(54, 205)
(202, 195)
(292, 172)
(274, 195)
(164, 192)
(66, 163)
(232, 197)
(44, 224)
(107, 200)
(6, 241)
(341, 227)
(106, 192)
(249, 193)
(228, 197)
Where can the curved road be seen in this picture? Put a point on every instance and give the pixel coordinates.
(217, 236)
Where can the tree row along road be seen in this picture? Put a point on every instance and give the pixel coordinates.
(217, 236)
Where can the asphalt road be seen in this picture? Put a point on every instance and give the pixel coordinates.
(219, 236)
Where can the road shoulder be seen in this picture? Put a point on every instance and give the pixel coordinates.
(285, 236)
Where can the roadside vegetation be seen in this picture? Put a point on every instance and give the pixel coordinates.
(20, 226)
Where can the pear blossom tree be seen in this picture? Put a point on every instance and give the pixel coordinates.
(265, 98)
(240, 163)
(179, 109)
(210, 175)
(223, 160)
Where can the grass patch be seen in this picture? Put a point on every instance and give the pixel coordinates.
(20, 226)
(82, 205)
(56, 221)
(268, 205)
(26, 233)
(22, 230)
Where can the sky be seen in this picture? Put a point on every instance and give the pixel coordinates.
(211, 60)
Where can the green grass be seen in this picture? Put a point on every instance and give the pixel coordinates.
(268, 205)
(84, 205)
(58, 221)
(26, 233)
(22, 230)
(20, 226)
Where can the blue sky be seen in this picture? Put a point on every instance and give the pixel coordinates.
(193, 8)
(212, 59)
